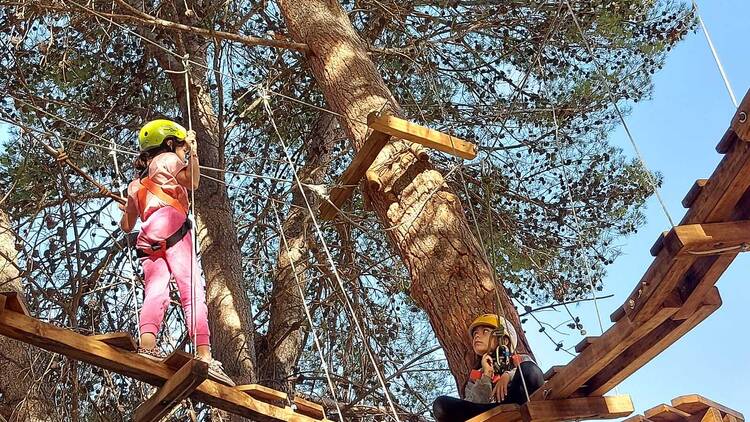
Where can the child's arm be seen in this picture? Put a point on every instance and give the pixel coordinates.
(190, 176)
(127, 222)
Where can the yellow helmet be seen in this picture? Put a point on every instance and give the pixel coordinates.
(491, 320)
(153, 133)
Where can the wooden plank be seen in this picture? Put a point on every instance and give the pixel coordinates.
(694, 403)
(84, 349)
(2, 303)
(731, 418)
(362, 161)
(577, 409)
(711, 415)
(263, 393)
(617, 314)
(694, 192)
(433, 139)
(177, 359)
(656, 247)
(701, 238)
(176, 389)
(727, 142)
(15, 303)
(598, 355)
(636, 418)
(741, 120)
(120, 340)
(665, 413)
(699, 281)
(650, 346)
(501, 413)
(551, 372)
(584, 343)
(311, 409)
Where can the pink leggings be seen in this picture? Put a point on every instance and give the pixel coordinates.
(158, 269)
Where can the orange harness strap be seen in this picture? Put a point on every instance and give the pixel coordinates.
(158, 192)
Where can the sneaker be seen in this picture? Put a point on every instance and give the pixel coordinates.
(153, 354)
(216, 371)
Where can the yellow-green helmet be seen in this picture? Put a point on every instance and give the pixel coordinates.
(155, 132)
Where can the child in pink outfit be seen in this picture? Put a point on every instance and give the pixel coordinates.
(159, 197)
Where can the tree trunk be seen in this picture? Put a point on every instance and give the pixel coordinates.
(451, 278)
(288, 324)
(232, 329)
(19, 399)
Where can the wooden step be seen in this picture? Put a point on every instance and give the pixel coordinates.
(694, 403)
(665, 413)
(694, 192)
(14, 302)
(264, 393)
(176, 389)
(121, 340)
(308, 408)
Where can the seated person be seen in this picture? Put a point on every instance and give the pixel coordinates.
(494, 340)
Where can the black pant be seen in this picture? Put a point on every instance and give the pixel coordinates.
(451, 409)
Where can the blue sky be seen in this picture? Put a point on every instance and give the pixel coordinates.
(677, 132)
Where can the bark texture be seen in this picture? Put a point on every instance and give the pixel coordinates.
(451, 278)
(19, 400)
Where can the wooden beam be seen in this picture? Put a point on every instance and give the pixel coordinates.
(730, 418)
(362, 161)
(584, 343)
(176, 389)
(120, 340)
(598, 355)
(551, 372)
(577, 409)
(699, 281)
(94, 352)
(402, 129)
(263, 393)
(694, 192)
(697, 238)
(650, 346)
(711, 415)
(636, 418)
(311, 409)
(665, 413)
(694, 403)
(656, 247)
(15, 303)
(501, 413)
(741, 120)
(2, 302)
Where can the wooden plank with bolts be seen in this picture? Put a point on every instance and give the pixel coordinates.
(177, 388)
(611, 407)
(402, 129)
(650, 346)
(694, 403)
(121, 340)
(598, 355)
(84, 349)
(15, 303)
(362, 161)
(311, 409)
(665, 413)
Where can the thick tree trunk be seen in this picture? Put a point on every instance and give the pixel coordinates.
(232, 330)
(281, 346)
(451, 279)
(19, 400)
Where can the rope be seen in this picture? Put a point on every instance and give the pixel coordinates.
(613, 100)
(331, 262)
(716, 55)
(314, 332)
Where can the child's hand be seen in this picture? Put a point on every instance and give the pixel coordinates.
(191, 141)
(121, 206)
(501, 388)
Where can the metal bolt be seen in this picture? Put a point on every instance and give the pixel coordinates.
(743, 117)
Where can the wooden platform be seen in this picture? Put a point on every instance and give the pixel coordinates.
(383, 128)
(678, 290)
(690, 408)
(560, 410)
(97, 350)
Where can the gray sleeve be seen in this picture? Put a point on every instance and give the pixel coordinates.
(478, 392)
